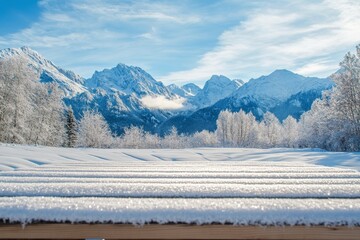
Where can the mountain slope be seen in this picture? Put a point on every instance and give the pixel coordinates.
(69, 82)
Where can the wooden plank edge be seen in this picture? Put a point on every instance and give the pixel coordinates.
(174, 231)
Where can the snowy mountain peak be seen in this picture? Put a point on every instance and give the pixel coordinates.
(282, 72)
(191, 88)
(280, 85)
(28, 53)
(186, 91)
(134, 71)
(284, 75)
(128, 80)
(218, 79)
(31, 52)
(68, 81)
(216, 88)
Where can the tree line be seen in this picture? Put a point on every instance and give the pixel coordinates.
(33, 113)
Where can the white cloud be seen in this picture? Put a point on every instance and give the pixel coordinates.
(295, 36)
(160, 102)
(322, 67)
(151, 35)
(57, 17)
(137, 10)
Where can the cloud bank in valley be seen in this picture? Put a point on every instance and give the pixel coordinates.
(163, 103)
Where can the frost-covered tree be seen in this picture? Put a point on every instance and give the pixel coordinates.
(94, 131)
(203, 139)
(314, 130)
(270, 130)
(245, 129)
(30, 112)
(345, 103)
(47, 122)
(290, 132)
(224, 125)
(16, 89)
(136, 137)
(173, 140)
(238, 129)
(152, 140)
(71, 129)
(333, 122)
(346, 94)
(133, 137)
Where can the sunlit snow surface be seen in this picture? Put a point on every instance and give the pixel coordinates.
(236, 186)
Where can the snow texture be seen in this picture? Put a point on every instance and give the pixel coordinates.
(200, 211)
(201, 186)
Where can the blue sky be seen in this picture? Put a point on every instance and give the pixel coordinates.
(182, 41)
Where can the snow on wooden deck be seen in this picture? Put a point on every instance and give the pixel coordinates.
(238, 186)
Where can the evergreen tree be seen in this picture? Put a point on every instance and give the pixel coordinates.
(71, 129)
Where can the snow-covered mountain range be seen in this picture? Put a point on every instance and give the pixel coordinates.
(282, 92)
(128, 95)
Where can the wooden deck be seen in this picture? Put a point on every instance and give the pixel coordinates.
(175, 231)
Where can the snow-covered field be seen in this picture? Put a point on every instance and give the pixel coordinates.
(239, 186)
